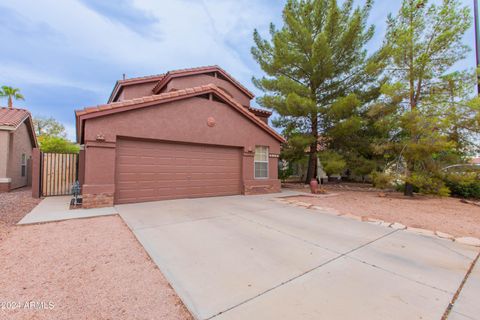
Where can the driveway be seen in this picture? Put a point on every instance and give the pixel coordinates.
(255, 258)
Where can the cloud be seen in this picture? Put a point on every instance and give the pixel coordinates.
(123, 12)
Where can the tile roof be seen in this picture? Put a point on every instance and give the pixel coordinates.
(197, 70)
(256, 110)
(12, 117)
(154, 77)
(91, 112)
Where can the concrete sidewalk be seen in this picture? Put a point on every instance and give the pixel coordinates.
(58, 208)
(254, 258)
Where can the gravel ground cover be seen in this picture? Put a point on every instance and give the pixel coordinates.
(448, 215)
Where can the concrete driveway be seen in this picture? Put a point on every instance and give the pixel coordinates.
(254, 258)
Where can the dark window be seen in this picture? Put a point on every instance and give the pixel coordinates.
(24, 164)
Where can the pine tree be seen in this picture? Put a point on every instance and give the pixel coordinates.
(316, 58)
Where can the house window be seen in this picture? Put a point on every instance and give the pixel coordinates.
(24, 164)
(261, 162)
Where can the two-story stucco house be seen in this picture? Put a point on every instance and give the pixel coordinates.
(187, 133)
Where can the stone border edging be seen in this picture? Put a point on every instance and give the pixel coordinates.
(472, 241)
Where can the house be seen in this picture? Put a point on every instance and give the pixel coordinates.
(17, 139)
(183, 134)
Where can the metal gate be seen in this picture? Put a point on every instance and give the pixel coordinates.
(58, 171)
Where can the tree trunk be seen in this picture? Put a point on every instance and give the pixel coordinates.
(312, 160)
(408, 186)
(312, 166)
(10, 102)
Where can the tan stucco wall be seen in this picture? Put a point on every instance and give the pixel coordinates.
(20, 143)
(4, 146)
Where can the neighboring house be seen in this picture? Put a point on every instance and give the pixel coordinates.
(17, 139)
(475, 160)
(184, 134)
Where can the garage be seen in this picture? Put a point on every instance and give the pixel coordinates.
(185, 134)
(152, 170)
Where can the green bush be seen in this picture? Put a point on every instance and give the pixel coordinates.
(284, 172)
(429, 184)
(465, 185)
(332, 162)
(381, 180)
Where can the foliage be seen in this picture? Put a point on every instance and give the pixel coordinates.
(57, 145)
(465, 185)
(426, 111)
(11, 93)
(285, 170)
(382, 180)
(332, 162)
(52, 136)
(317, 58)
(48, 127)
(428, 183)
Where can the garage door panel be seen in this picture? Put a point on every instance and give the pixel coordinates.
(148, 171)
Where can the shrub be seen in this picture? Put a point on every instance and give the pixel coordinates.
(465, 185)
(284, 171)
(332, 162)
(429, 184)
(381, 180)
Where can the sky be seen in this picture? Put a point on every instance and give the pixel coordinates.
(66, 55)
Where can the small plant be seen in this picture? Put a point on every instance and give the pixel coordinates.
(429, 184)
(465, 185)
(332, 162)
(285, 170)
(382, 180)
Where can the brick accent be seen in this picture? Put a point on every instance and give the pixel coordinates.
(4, 187)
(97, 200)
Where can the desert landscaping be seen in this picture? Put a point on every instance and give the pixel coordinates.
(445, 214)
(85, 268)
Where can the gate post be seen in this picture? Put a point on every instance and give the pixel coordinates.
(36, 173)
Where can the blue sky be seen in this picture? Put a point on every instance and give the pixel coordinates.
(66, 55)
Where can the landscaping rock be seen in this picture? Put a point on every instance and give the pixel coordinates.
(421, 231)
(351, 216)
(398, 226)
(468, 240)
(444, 235)
(302, 204)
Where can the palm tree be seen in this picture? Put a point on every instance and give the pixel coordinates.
(11, 93)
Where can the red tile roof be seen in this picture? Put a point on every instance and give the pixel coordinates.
(261, 111)
(191, 71)
(100, 110)
(12, 117)
(475, 160)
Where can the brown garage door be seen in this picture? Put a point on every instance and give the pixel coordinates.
(148, 171)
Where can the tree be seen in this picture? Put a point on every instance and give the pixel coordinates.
(422, 43)
(11, 93)
(57, 145)
(48, 127)
(317, 57)
(52, 136)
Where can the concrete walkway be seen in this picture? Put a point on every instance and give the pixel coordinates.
(58, 208)
(255, 258)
